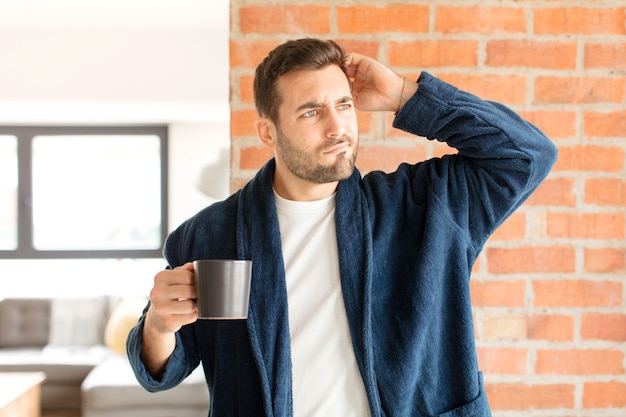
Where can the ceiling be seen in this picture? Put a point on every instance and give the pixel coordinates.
(107, 35)
(136, 14)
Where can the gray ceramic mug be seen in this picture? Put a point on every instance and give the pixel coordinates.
(223, 288)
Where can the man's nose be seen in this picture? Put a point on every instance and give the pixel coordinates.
(335, 124)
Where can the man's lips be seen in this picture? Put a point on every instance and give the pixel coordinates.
(338, 148)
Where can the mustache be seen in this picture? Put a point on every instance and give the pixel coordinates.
(350, 140)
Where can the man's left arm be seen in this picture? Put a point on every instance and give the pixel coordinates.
(502, 158)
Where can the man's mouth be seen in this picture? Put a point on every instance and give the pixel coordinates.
(338, 148)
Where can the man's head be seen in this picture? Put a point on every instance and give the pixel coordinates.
(307, 117)
(307, 54)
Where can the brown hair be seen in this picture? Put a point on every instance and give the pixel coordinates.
(308, 54)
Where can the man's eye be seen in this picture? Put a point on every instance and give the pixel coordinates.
(310, 113)
(344, 106)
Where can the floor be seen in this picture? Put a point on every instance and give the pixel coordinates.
(61, 413)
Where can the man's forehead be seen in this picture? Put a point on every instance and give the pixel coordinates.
(325, 84)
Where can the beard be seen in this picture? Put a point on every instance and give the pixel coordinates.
(306, 165)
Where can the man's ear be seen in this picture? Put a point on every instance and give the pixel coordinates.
(266, 131)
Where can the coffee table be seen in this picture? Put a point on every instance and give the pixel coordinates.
(20, 394)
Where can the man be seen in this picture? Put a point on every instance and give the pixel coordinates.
(360, 290)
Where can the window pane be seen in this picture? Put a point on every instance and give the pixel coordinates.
(8, 192)
(96, 192)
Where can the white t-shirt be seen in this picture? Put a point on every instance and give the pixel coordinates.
(326, 379)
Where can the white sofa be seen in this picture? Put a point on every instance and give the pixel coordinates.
(79, 344)
(111, 390)
(32, 340)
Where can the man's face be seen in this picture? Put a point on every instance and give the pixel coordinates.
(317, 133)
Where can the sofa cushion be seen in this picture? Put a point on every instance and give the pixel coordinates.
(24, 322)
(112, 385)
(78, 321)
(60, 364)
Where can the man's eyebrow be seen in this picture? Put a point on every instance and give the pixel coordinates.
(316, 104)
(344, 99)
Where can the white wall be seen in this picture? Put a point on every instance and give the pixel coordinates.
(98, 75)
(124, 65)
(199, 168)
(122, 62)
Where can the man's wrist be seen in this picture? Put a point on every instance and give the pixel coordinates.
(409, 88)
(156, 348)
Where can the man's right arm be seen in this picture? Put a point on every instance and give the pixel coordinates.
(157, 347)
(153, 347)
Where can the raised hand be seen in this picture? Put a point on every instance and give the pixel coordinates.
(375, 87)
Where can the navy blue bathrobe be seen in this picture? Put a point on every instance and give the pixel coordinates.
(407, 242)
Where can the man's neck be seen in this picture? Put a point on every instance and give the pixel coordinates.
(302, 190)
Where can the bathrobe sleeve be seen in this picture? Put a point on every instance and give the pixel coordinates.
(177, 369)
(501, 158)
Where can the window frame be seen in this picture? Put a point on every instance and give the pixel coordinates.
(25, 134)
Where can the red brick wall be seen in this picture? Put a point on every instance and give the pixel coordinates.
(549, 289)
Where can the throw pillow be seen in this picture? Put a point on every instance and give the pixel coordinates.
(122, 320)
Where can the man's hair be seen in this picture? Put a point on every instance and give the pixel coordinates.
(301, 54)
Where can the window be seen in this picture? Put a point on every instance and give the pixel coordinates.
(83, 192)
(8, 192)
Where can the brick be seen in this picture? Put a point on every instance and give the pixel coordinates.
(531, 54)
(242, 122)
(367, 48)
(387, 18)
(478, 19)
(508, 89)
(504, 327)
(364, 121)
(476, 268)
(246, 90)
(498, 293)
(513, 228)
(285, 18)
(528, 259)
(606, 260)
(432, 53)
(605, 124)
(554, 124)
(610, 394)
(237, 182)
(606, 55)
(554, 192)
(441, 149)
(517, 396)
(552, 327)
(387, 158)
(579, 90)
(590, 158)
(605, 192)
(579, 362)
(586, 225)
(502, 361)
(599, 326)
(249, 54)
(253, 157)
(579, 20)
(576, 293)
